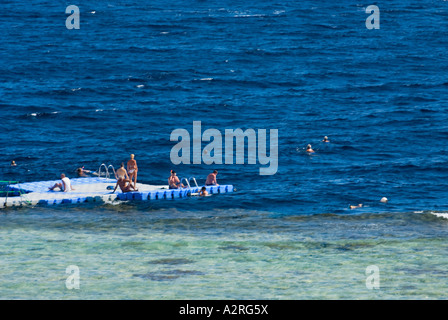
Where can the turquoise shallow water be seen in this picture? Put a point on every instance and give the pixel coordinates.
(220, 254)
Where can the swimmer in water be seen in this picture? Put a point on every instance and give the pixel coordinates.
(13, 163)
(309, 149)
(203, 192)
(82, 172)
(356, 207)
(326, 139)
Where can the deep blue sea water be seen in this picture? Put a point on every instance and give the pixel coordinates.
(137, 70)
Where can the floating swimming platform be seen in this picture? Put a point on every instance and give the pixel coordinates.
(95, 189)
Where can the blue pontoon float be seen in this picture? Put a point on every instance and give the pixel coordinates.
(97, 189)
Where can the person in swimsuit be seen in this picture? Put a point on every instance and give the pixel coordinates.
(125, 185)
(203, 192)
(13, 163)
(174, 182)
(121, 173)
(132, 170)
(309, 149)
(65, 185)
(82, 172)
(211, 179)
(326, 139)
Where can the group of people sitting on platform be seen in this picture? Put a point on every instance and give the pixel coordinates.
(125, 182)
(175, 183)
(127, 179)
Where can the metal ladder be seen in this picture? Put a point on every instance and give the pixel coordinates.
(187, 182)
(194, 180)
(106, 170)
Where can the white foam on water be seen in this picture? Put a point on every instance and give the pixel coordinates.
(440, 214)
(248, 15)
(38, 114)
(114, 202)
